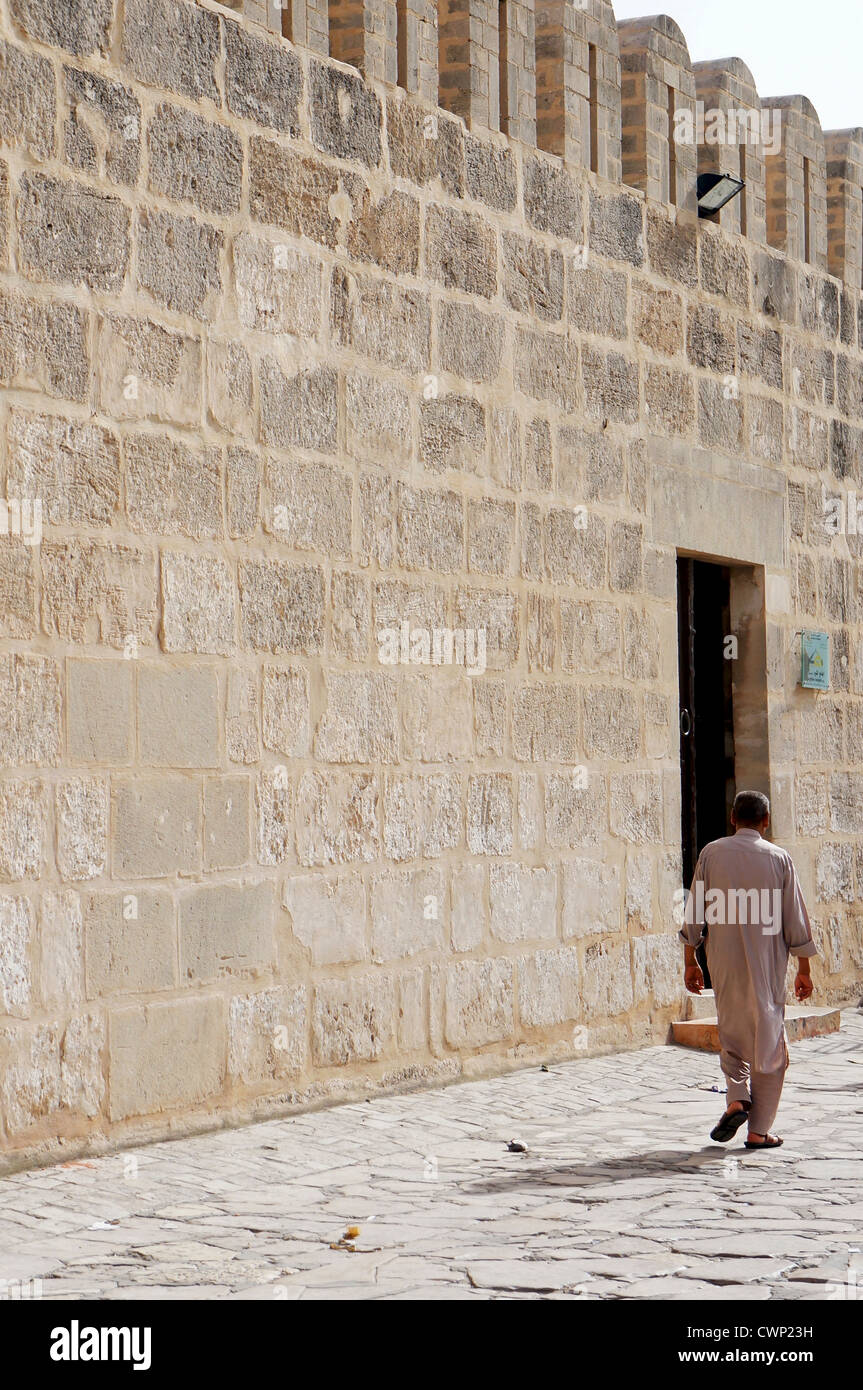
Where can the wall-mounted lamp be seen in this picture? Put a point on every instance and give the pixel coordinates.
(715, 190)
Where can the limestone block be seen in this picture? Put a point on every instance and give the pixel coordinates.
(293, 192)
(267, 1035)
(102, 132)
(591, 898)
(611, 727)
(576, 808)
(23, 827)
(607, 980)
(811, 803)
(30, 710)
(636, 807)
(311, 506)
(179, 262)
(423, 151)
(408, 913)
(639, 892)
(546, 368)
(242, 737)
(73, 468)
(243, 478)
(198, 604)
(610, 386)
(226, 929)
(345, 115)
(377, 419)
(672, 246)
(71, 234)
(669, 399)
(156, 826)
(178, 715)
(423, 815)
(413, 1011)
(492, 616)
(461, 250)
(27, 101)
(532, 277)
(192, 160)
(552, 202)
(171, 488)
(590, 636)
(616, 226)
(530, 819)
(274, 816)
(549, 988)
(385, 231)
(61, 951)
(80, 26)
(478, 1002)
(299, 410)
(523, 902)
(166, 1056)
(657, 316)
(45, 347)
(350, 615)
(490, 813)
(226, 822)
(575, 547)
(17, 588)
(470, 343)
(725, 268)
(278, 289)
(359, 724)
(452, 434)
(833, 872)
(597, 300)
(490, 173)
(381, 320)
(50, 1069)
(430, 529)
(377, 520)
(81, 810)
(657, 969)
(353, 1020)
(328, 916)
(16, 933)
(545, 722)
(263, 81)
(145, 372)
(469, 912)
(281, 606)
(99, 710)
(130, 942)
(285, 704)
(490, 717)
(436, 718)
(337, 818)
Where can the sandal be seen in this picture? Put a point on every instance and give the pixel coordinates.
(729, 1124)
(771, 1141)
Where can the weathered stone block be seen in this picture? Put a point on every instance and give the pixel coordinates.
(846, 802)
(279, 290)
(490, 810)
(293, 192)
(81, 807)
(281, 606)
(430, 529)
(576, 808)
(178, 715)
(267, 1035)
(171, 488)
(102, 133)
(590, 636)
(479, 999)
(328, 916)
(226, 822)
(71, 234)
(423, 816)
(300, 410)
(73, 468)
(607, 980)
(61, 951)
(337, 818)
(436, 718)
(523, 902)
(166, 1056)
(611, 725)
(274, 816)
(636, 807)
(345, 115)
(130, 942)
(285, 702)
(242, 738)
(156, 826)
(598, 299)
(350, 615)
(99, 710)
(532, 277)
(43, 347)
(381, 320)
(470, 345)
(169, 43)
(669, 399)
(408, 912)
(353, 1020)
(386, 232)
(575, 547)
(549, 988)
(424, 148)
(610, 386)
(17, 589)
(311, 506)
(23, 825)
(490, 173)
(16, 932)
(378, 421)
(192, 160)
(461, 251)
(146, 372)
(658, 318)
(263, 81)
(52, 1070)
(546, 368)
(27, 101)
(198, 603)
(359, 723)
(79, 26)
(491, 536)
(243, 489)
(179, 263)
(30, 710)
(545, 722)
(468, 906)
(616, 226)
(551, 199)
(591, 898)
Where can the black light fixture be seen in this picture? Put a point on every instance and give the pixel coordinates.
(715, 190)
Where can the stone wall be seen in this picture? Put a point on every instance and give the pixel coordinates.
(292, 357)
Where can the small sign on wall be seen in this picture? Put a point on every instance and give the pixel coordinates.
(815, 660)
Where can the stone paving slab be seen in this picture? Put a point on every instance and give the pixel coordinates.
(619, 1195)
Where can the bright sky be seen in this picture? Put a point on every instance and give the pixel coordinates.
(789, 46)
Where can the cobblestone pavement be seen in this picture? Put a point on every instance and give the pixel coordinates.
(620, 1194)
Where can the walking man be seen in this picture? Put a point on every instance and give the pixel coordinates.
(747, 908)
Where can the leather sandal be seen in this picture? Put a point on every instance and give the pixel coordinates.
(729, 1124)
(771, 1141)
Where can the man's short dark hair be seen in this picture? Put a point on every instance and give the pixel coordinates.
(750, 808)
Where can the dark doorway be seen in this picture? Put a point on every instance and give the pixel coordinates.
(707, 657)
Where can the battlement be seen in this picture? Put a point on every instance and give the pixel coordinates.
(619, 99)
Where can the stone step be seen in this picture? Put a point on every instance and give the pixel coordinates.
(800, 1023)
(701, 1005)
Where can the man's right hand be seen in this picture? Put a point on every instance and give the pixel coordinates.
(693, 979)
(802, 986)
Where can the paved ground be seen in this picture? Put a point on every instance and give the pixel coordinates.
(619, 1195)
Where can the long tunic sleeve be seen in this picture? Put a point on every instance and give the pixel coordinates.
(795, 919)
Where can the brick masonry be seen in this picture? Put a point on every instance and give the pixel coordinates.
(292, 356)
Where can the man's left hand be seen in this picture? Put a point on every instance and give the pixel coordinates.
(693, 979)
(802, 986)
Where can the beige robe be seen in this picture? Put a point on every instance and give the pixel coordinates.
(748, 959)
